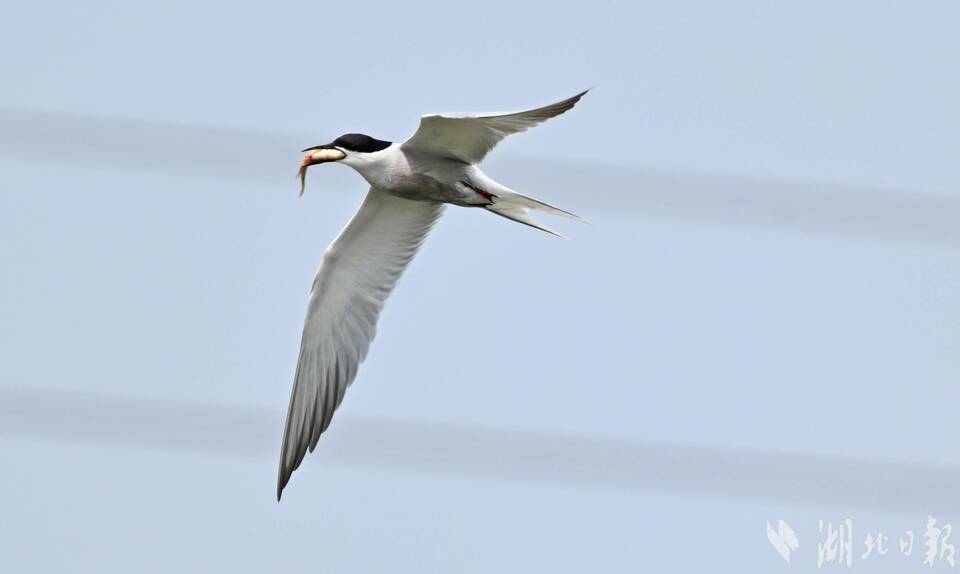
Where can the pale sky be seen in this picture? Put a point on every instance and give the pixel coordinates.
(165, 284)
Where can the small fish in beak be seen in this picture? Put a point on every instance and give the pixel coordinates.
(315, 155)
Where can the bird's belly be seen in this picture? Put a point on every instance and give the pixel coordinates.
(422, 187)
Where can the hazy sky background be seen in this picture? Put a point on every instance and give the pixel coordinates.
(165, 285)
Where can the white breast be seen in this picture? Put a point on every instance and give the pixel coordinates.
(381, 168)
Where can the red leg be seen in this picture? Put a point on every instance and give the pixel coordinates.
(485, 194)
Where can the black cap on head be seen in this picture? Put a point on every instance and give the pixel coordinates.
(360, 143)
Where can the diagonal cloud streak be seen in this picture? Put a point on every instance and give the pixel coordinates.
(591, 188)
(85, 418)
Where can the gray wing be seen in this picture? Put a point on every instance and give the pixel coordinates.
(469, 137)
(358, 272)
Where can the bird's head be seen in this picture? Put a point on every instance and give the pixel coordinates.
(351, 149)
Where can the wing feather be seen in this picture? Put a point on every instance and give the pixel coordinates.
(470, 137)
(358, 272)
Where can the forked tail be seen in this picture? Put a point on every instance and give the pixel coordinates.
(517, 207)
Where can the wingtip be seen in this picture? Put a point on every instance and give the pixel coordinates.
(282, 479)
(572, 101)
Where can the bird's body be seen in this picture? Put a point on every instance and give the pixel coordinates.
(420, 176)
(410, 183)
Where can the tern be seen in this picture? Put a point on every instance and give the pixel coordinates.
(410, 184)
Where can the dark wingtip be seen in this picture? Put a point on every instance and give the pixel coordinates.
(282, 479)
(570, 102)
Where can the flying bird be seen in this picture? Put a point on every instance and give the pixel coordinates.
(410, 184)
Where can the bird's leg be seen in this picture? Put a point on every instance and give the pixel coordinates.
(484, 194)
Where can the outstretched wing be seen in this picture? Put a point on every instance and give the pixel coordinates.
(358, 272)
(469, 137)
